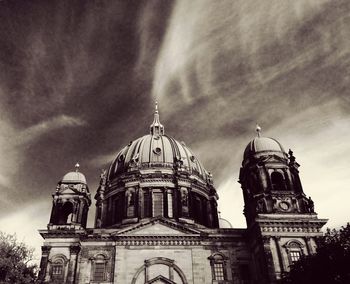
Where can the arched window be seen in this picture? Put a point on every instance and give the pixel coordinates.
(197, 209)
(57, 271)
(147, 203)
(158, 203)
(218, 266)
(277, 181)
(99, 265)
(65, 214)
(294, 250)
(118, 209)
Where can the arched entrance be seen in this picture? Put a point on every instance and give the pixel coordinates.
(159, 270)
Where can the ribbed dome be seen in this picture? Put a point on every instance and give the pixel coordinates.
(264, 144)
(152, 151)
(156, 176)
(74, 177)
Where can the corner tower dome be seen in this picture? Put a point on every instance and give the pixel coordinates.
(71, 202)
(74, 177)
(263, 145)
(156, 176)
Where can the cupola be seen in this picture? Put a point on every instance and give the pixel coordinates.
(260, 145)
(270, 180)
(71, 202)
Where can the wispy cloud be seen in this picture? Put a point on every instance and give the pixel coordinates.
(103, 160)
(13, 141)
(35, 131)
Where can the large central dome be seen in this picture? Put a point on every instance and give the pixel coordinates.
(156, 150)
(156, 176)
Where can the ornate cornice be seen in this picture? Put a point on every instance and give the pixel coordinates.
(292, 225)
(158, 241)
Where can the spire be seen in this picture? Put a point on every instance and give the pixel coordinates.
(258, 129)
(77, 167)
(156, 127)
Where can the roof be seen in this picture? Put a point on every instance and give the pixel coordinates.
(74, 177)
(154, 150)
(263, 144)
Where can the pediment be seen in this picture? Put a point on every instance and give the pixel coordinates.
(160, 279)
(158, 227)
(68, 191)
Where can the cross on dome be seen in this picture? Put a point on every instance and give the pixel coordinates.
(156, 128)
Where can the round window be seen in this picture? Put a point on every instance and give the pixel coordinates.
(157, 151)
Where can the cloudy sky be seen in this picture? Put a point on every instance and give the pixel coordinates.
(78, 80)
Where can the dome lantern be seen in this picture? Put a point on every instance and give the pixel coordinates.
(156, 128)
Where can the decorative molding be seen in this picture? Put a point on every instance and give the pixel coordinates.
(56, 257)
(293, 244)
(158, 241)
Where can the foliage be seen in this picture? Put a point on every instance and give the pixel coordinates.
(331, 263)
(15, 258)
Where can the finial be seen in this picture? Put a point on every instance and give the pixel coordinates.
(258, 129)
(156, 127)
(77, 167)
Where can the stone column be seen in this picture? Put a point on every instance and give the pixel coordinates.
(44, 263)
(146, 270)
(72, 266)
(81, 206)
(263, 176)
(280, 256)
(308, 246)
(270, 276)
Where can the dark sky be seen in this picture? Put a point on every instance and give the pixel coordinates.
(78, 80)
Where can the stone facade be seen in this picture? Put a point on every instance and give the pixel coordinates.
(157, 222)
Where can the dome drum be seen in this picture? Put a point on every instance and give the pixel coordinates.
(130, 204)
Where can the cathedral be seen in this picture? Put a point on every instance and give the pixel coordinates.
(157, 219)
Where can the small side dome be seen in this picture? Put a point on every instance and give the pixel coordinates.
(224, 224)
(74, 177)
(263, 144)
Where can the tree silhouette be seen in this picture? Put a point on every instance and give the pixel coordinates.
(331, 263)
(15, 261)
